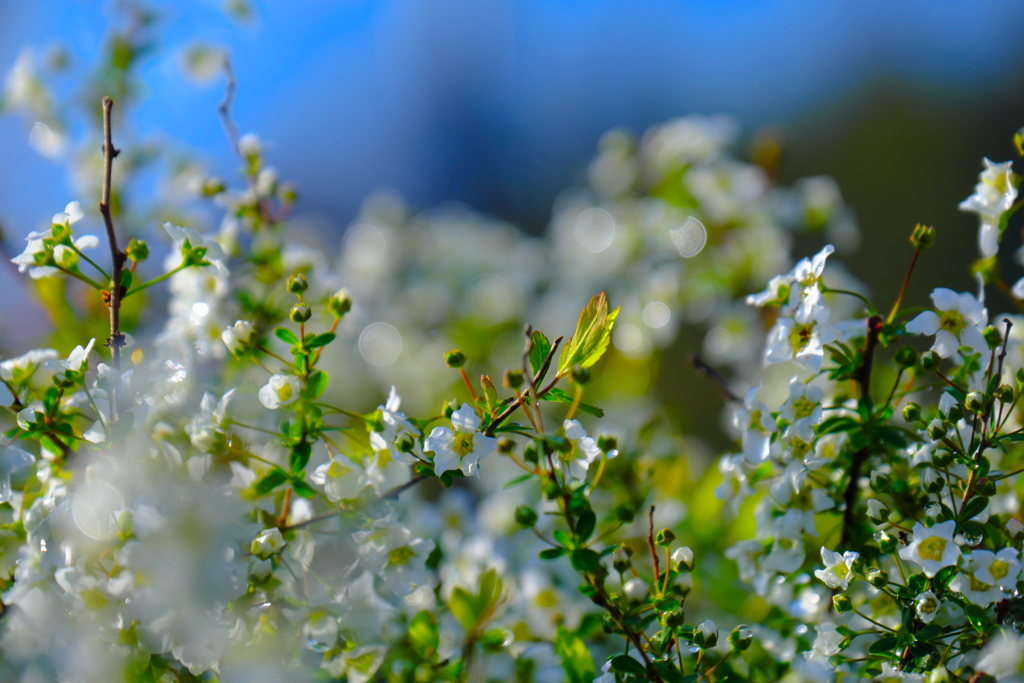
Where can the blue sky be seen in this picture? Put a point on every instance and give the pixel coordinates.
(499, 102)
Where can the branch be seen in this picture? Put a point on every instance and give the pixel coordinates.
(716, 378)
(116, 340)
(224, 108)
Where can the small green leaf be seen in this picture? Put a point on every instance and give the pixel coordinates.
(286, 335)
(593, 332)
(302, 489)
(321, 340)
(461, 606)
(585, 560)
(274, 478)
(551, 553)
(627, 665)
(974, 507)
(884, 646)
(300, 455)
(539, 350)
(126, 279)
(423, 634)
(576, 660)
(316, 385)
(518, 480)
(585, 526)
(556, 395)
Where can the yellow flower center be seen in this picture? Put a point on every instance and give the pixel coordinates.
(952, 322)
(841, 570)
(932, 548)
(999, 569)
(400, 555)
(928, 605)
(803, 407)
(755, 421)
(462, 443)
(285, 392)
(978, 586)
(801, 336)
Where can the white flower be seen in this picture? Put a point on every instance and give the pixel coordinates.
(1000, 569)
(828, 643)
(1002, 655)
(993, 195)
(396, 426)
(461, 448)
(682, 559)
(279, 390)
(968, 584)
(803, 407)
(755, 424)
(927, 606)
(583, 449)
(635, 589)
(838, 568)
(389, 550)
(956, 323)
(267, 543)
(239, 338)
(208, 428)
(75, 364)
(214, 253)
(933, 548)
(804, 343)
(341, 478)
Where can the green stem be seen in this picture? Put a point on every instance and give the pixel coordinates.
(81, 277)
(91, 263)
(156, 280)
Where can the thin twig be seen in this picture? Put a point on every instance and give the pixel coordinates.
(716, 378)
(650, 543)
(224, 109)
(118, 257)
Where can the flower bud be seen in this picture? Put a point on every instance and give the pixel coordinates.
(886, 543)
(506, 446)
(880, 481)
(297, 284)
(911, 412)
(530, 453)
(706, 634)
(607, 443)
(928, 362)
(340, 303)
(955, 413)
(922, 237)
(213, 187)
(842, 603)
(939, 675)
(878, 512)
(267, 543)
(975, 402)
(526, 517)
(879, 578)
(635, 590)
(375, 422)
(300, 313)
(137, 250)
(664, 538)
(741, 637)
(683, 583)
(580, 375)
(932, 481)
(513, 379)
(682, 559)
(65, 257)
(985, 487)
(405, 442)
(993, 336)
(455, 358)
(1004, 393)
(906, 357)
(620, 559)
(625, 513)
(288, 193)
(1014, 528)
(942, 458)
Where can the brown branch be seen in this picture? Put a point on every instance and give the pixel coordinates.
(716, 378)
(650, 544)
(536, 378)
(116, 340)
(390, 494)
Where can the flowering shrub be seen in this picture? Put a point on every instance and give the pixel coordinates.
(211, 493)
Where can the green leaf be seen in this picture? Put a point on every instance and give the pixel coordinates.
(593, 332)
(973, 507)
(585, 560)
(539, 350)
(585, 526)
(321, 340)
(126, 279)
(316, 385)
(423, 634)
(274, 478)
(928, 632)
(576, 660)
(551, 553)
(556, 395)
(461, 607)
(299, 456)
(286, 335)
(884, 646)
(627, 665)
(518, 480)
(302, 489)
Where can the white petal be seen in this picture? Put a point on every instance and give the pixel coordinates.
(945, 343)
(926, 323)
(87, 242)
